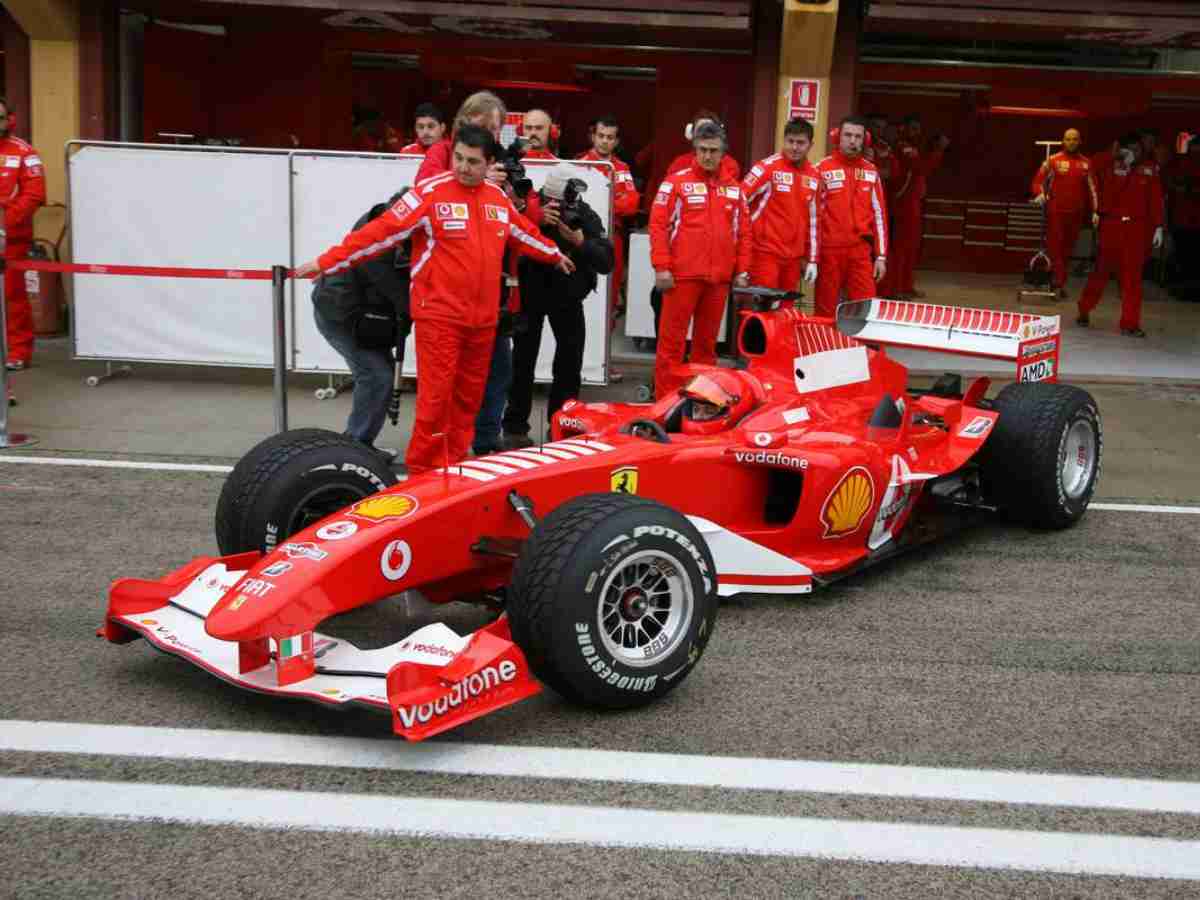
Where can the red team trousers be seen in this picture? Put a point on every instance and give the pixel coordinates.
(706, 301)
(906, 245)
(769, 270)
(844, 270)
(1122, 253)
(454, 362)
(1062, 231)
(20, 313)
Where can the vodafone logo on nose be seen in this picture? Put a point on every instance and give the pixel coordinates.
(396, 558)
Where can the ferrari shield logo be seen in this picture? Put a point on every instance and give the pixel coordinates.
(624, 480)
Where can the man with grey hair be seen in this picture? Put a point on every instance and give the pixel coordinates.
(699, 243)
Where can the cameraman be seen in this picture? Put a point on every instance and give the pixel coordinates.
(551, 294)
(363, 313)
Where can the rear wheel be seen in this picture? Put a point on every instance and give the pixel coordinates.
(290, 481)
(613, 600)
(1042, 459)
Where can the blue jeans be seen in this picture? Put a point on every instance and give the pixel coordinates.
(487, 423)
(372, 372)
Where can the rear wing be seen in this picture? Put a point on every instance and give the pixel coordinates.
(1031, 341)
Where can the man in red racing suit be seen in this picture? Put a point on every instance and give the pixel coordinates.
(605, 133)
(1131, 206)
(699, 242)
(853, 219)
(1064, 186)
(460, 225)
(22, 191)
(781, 192)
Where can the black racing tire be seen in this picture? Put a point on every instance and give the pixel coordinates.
(1042, 460)
(613, 600)
(291, 480)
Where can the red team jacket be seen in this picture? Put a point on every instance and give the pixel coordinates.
(916, 167)
(459, 235)
(851, 204)
(1071, 186)
(625, 196)
(416, 147)
(782, 199)
(1135, 196)
(22, 188)
(699, 226)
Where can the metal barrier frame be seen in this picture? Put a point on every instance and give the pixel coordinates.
(72, 146)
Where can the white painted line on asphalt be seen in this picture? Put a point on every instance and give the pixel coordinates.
(570, 764)
(878, 842)
(1144, 508)
(113, 464)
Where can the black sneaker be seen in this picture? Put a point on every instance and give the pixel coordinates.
(1083, 321)
(514, 441)
(1133, 332)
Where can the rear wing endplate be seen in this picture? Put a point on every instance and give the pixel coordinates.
(1031, 341)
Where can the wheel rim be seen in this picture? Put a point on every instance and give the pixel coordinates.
(321, 502)
(645, 608)
(1077, 460)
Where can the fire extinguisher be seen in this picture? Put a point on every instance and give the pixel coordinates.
(45, 289)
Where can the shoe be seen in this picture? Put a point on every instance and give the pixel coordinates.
(514, 441)
(1083, 321)
(1133, 332)
(616, 376)
(16, 365)
(917, 295)
(1062, 293)
(485, 451)
(387, 454)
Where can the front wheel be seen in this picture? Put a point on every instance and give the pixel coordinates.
(291, 480)
(613, 600)
(1042, 460)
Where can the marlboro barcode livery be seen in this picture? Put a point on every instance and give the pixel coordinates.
(604, 553)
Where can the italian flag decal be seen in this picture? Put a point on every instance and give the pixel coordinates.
(295, 646)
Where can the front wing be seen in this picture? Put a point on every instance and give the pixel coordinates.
(431, 681)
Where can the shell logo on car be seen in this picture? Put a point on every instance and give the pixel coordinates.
(387, 506)
(848, 504)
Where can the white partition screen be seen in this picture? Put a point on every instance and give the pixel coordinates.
(332, 192)
(187, 208)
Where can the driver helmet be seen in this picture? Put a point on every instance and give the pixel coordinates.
(717, 400)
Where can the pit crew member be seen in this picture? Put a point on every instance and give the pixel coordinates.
(781, 192)
(1131, 204)
(853, 222)
(22, 191)
(460, 224)
(908, 203)
(699, 242)
(605, 134)
(1064, 186)
(430, 127)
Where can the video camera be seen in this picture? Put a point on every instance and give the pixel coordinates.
(510, 157)
(570, 202)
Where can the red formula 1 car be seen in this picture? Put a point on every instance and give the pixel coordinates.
(605, 552)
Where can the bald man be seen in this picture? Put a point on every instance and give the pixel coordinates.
(535, 129)
(1065, 186)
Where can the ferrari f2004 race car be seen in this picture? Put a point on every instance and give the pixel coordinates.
(604, 552)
